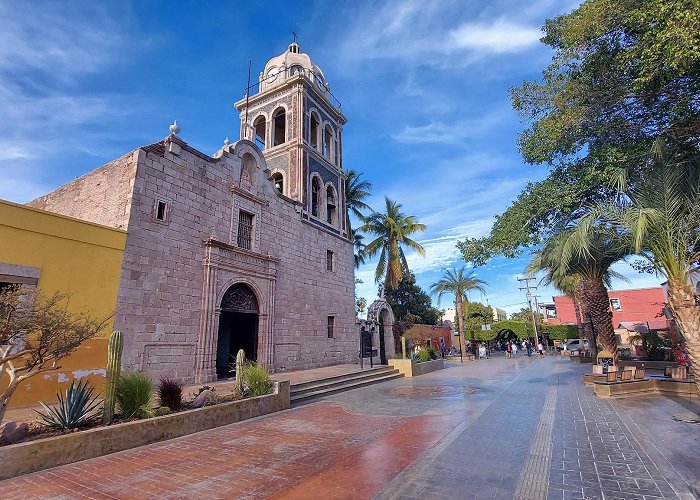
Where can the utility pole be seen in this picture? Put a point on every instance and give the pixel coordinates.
(528, 295)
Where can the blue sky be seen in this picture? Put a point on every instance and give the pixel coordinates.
(424, 86)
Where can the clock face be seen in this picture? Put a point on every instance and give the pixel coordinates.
(319, 82)
(272, 74)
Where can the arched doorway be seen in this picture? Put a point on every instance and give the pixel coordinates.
(381, 315)
(238, 328)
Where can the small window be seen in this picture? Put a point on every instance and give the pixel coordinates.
(279, 126)
(329, 260)
(615, 305)
(278, 182)
(245, 230)
(327, 141)
(331, 326)
(314, 131)
(315, 195)
(259, 126)
(330, 205)
(161, 210)
(427, 343)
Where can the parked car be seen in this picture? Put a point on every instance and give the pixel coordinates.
(574, 346)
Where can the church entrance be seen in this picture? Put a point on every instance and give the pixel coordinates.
(238, 328)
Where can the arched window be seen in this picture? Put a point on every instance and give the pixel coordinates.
(331, 204)
(259, 127)
(327, 141)
(279, 127)
(296, 69)
(313, 139)
(315, 197)
(278, 181)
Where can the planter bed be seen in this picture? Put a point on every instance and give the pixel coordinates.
(32, 456)
(410, 368)
(653, 385)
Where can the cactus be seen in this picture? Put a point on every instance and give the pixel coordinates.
(240, 362)
(114, 361)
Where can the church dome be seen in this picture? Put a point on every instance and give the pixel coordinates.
(287, 65)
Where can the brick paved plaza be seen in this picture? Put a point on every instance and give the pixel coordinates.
(499, 428)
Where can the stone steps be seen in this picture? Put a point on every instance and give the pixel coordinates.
(305, 391)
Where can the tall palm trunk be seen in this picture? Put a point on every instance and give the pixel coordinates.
(586, 332)
(681, 300)
(595, 298)
(460, 320)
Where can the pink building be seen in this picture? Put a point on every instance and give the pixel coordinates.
(632, 309)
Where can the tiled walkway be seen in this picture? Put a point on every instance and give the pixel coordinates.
(486, 429)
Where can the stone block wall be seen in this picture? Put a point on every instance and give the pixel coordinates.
(161, 300)
(101, 196)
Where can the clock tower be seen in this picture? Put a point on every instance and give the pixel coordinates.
(294, 119)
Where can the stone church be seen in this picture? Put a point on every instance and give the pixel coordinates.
(245, 249)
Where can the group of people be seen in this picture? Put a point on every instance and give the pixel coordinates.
(511, 348)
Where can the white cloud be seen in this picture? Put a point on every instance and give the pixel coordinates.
(438, 132)
(442, 34)
(49, 40)
(500, 36)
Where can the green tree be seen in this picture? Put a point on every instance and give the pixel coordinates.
(624, 72)
(361, 305)
(587, 252)
(356, 190)
(457, 282)
(393, 230)
(36, 332)
(358, 247)
(662, 217)
(525, 315)
(410, 299)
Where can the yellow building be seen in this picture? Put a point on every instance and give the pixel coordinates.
(56, 253)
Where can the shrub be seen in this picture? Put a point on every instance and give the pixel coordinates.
(431, 353)
(256, 380)
(162, 411)
(423, 356)
(170, 393)
(134, 392)
(76, 410)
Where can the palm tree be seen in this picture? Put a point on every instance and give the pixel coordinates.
(587, 251)
(358, 246)
(392, 230)
(663, 218)
(458, 283)
(568, 284)
(356, 190)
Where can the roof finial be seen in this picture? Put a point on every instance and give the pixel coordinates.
(294, 36)
(174, 128)
(226, 142)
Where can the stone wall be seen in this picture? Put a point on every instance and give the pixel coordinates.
(101, 196)
(161, 296)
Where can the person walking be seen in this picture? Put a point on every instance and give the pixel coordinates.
(514, 349)
(508, 350)
(540, 348)
(528, 347)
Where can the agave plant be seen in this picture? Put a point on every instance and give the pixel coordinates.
(75, 411)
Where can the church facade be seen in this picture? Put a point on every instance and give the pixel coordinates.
(245, 249)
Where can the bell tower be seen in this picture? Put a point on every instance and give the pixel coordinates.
(294, 119)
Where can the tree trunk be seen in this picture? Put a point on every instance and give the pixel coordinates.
(460, 320)
(582, 317)
(595, 298)
(681, 300)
